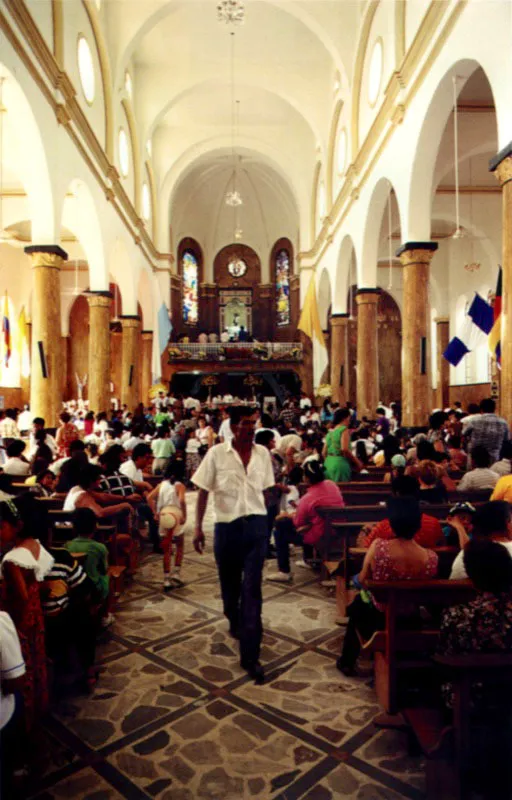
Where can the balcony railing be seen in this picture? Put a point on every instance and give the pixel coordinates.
(236, 351)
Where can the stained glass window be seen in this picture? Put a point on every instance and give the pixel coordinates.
(283, 287)
(190, 288)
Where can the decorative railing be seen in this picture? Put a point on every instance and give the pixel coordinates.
(236, 351)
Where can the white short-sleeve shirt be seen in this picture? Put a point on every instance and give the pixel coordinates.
(129, 469)
(11, 664)
(236, 492)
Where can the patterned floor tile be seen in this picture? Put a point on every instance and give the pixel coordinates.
(301, 617)
(151, 571)
(207, 592)
(213, 654)
(132, 692)
(311, 694)
(349, 784)
(387, 750)
(216, 752)
(156, 616)
(86, 785)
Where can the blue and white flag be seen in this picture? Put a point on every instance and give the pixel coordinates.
(164, 327)
(477, 325)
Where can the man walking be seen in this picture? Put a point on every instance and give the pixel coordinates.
(238, 472)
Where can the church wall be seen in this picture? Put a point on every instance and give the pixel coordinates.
(41, 12)
(79, 344)
(415, 11)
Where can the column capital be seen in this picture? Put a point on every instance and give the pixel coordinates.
(99, 299)
(130, 320)
(337, 320)
(441, 320)
(147, 334)
(46, 255)
(501, 164)
(411, 253)
(367, 296)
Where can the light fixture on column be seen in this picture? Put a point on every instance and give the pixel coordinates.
(10, 237)
(231, 12)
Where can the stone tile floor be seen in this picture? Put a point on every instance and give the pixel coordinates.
(174, 717)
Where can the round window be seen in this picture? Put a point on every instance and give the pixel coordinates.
(341, 154)
(375, 72)
(124, 152)
(86, 69)
(146, 202)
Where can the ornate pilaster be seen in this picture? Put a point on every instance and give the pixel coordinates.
(367, 358)
(442, 365)
(46, 378)
(416, 401)
(99, 351)
(339, 358)
(501, 165)
(146, 372)
(130, 374)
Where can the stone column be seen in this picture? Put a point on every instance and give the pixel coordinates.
(146, 361)
(339, 358)
(116, 359)
(442, 365)
(306, 367)
(65, 348)
(367, 368)
(416, 397)
(501, 165)
(130, 384)
(25, 379)
(98, 382)
(46, 390)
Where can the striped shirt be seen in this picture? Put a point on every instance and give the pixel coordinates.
(478, 479)
(65, 577)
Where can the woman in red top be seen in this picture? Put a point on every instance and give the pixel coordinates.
(398, 559)
(306, 526)
(66, 434)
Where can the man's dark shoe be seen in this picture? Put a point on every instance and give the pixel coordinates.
(233, 631)
(255, 671)
(157, 549)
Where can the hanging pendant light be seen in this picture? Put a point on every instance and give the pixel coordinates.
(459, 233)
(10, 237)
(233, 196)
(231, 12)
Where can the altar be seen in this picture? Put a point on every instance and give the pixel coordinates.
(235, 311)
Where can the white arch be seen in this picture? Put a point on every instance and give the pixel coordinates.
(121, 269)
(381, 195)
(346, 258)
(324, 297)
(80, 216)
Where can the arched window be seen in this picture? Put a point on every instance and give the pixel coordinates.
(190, 271)
(283, 287)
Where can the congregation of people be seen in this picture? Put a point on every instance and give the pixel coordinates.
(116, 484)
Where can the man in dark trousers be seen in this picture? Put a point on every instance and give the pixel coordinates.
(238, 473)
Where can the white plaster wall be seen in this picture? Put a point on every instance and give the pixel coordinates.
(75, 22)
(41, 12)
(415, 10)
(383, 27)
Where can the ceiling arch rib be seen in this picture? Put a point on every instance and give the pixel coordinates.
(131, 28)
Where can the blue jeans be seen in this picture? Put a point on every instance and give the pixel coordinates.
(285, 533)
(240, 548)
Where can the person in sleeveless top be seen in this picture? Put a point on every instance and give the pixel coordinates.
(336, 451)
(167, 501)
(398, 559)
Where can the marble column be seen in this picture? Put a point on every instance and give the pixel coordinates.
(367, 367)
(339, 358)
(501, 165)
(442, 365)
(416, 394)
(99, 351)
(25, 379)
(65, 348)
(116, 360)
(130, 383)
(146, 361)
(46, 390)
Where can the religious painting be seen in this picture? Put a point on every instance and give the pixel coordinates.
(190, 288)
(283, 287)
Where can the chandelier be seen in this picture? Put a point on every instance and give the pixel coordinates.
(231, 12)
(238, 234)
(234, 198)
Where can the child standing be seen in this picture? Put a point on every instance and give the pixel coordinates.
(167, 501)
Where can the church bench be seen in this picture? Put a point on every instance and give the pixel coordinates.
(447, 741)
(398, 650)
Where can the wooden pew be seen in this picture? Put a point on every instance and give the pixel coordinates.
(447, 745)
(398, 650)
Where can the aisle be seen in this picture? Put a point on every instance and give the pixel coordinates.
(175, 718)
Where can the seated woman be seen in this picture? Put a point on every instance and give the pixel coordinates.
(481, 477)
(306, 526)
(16, 463)
(431, 488)
(401, 558)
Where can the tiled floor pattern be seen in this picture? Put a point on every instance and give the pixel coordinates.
(174, 717)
